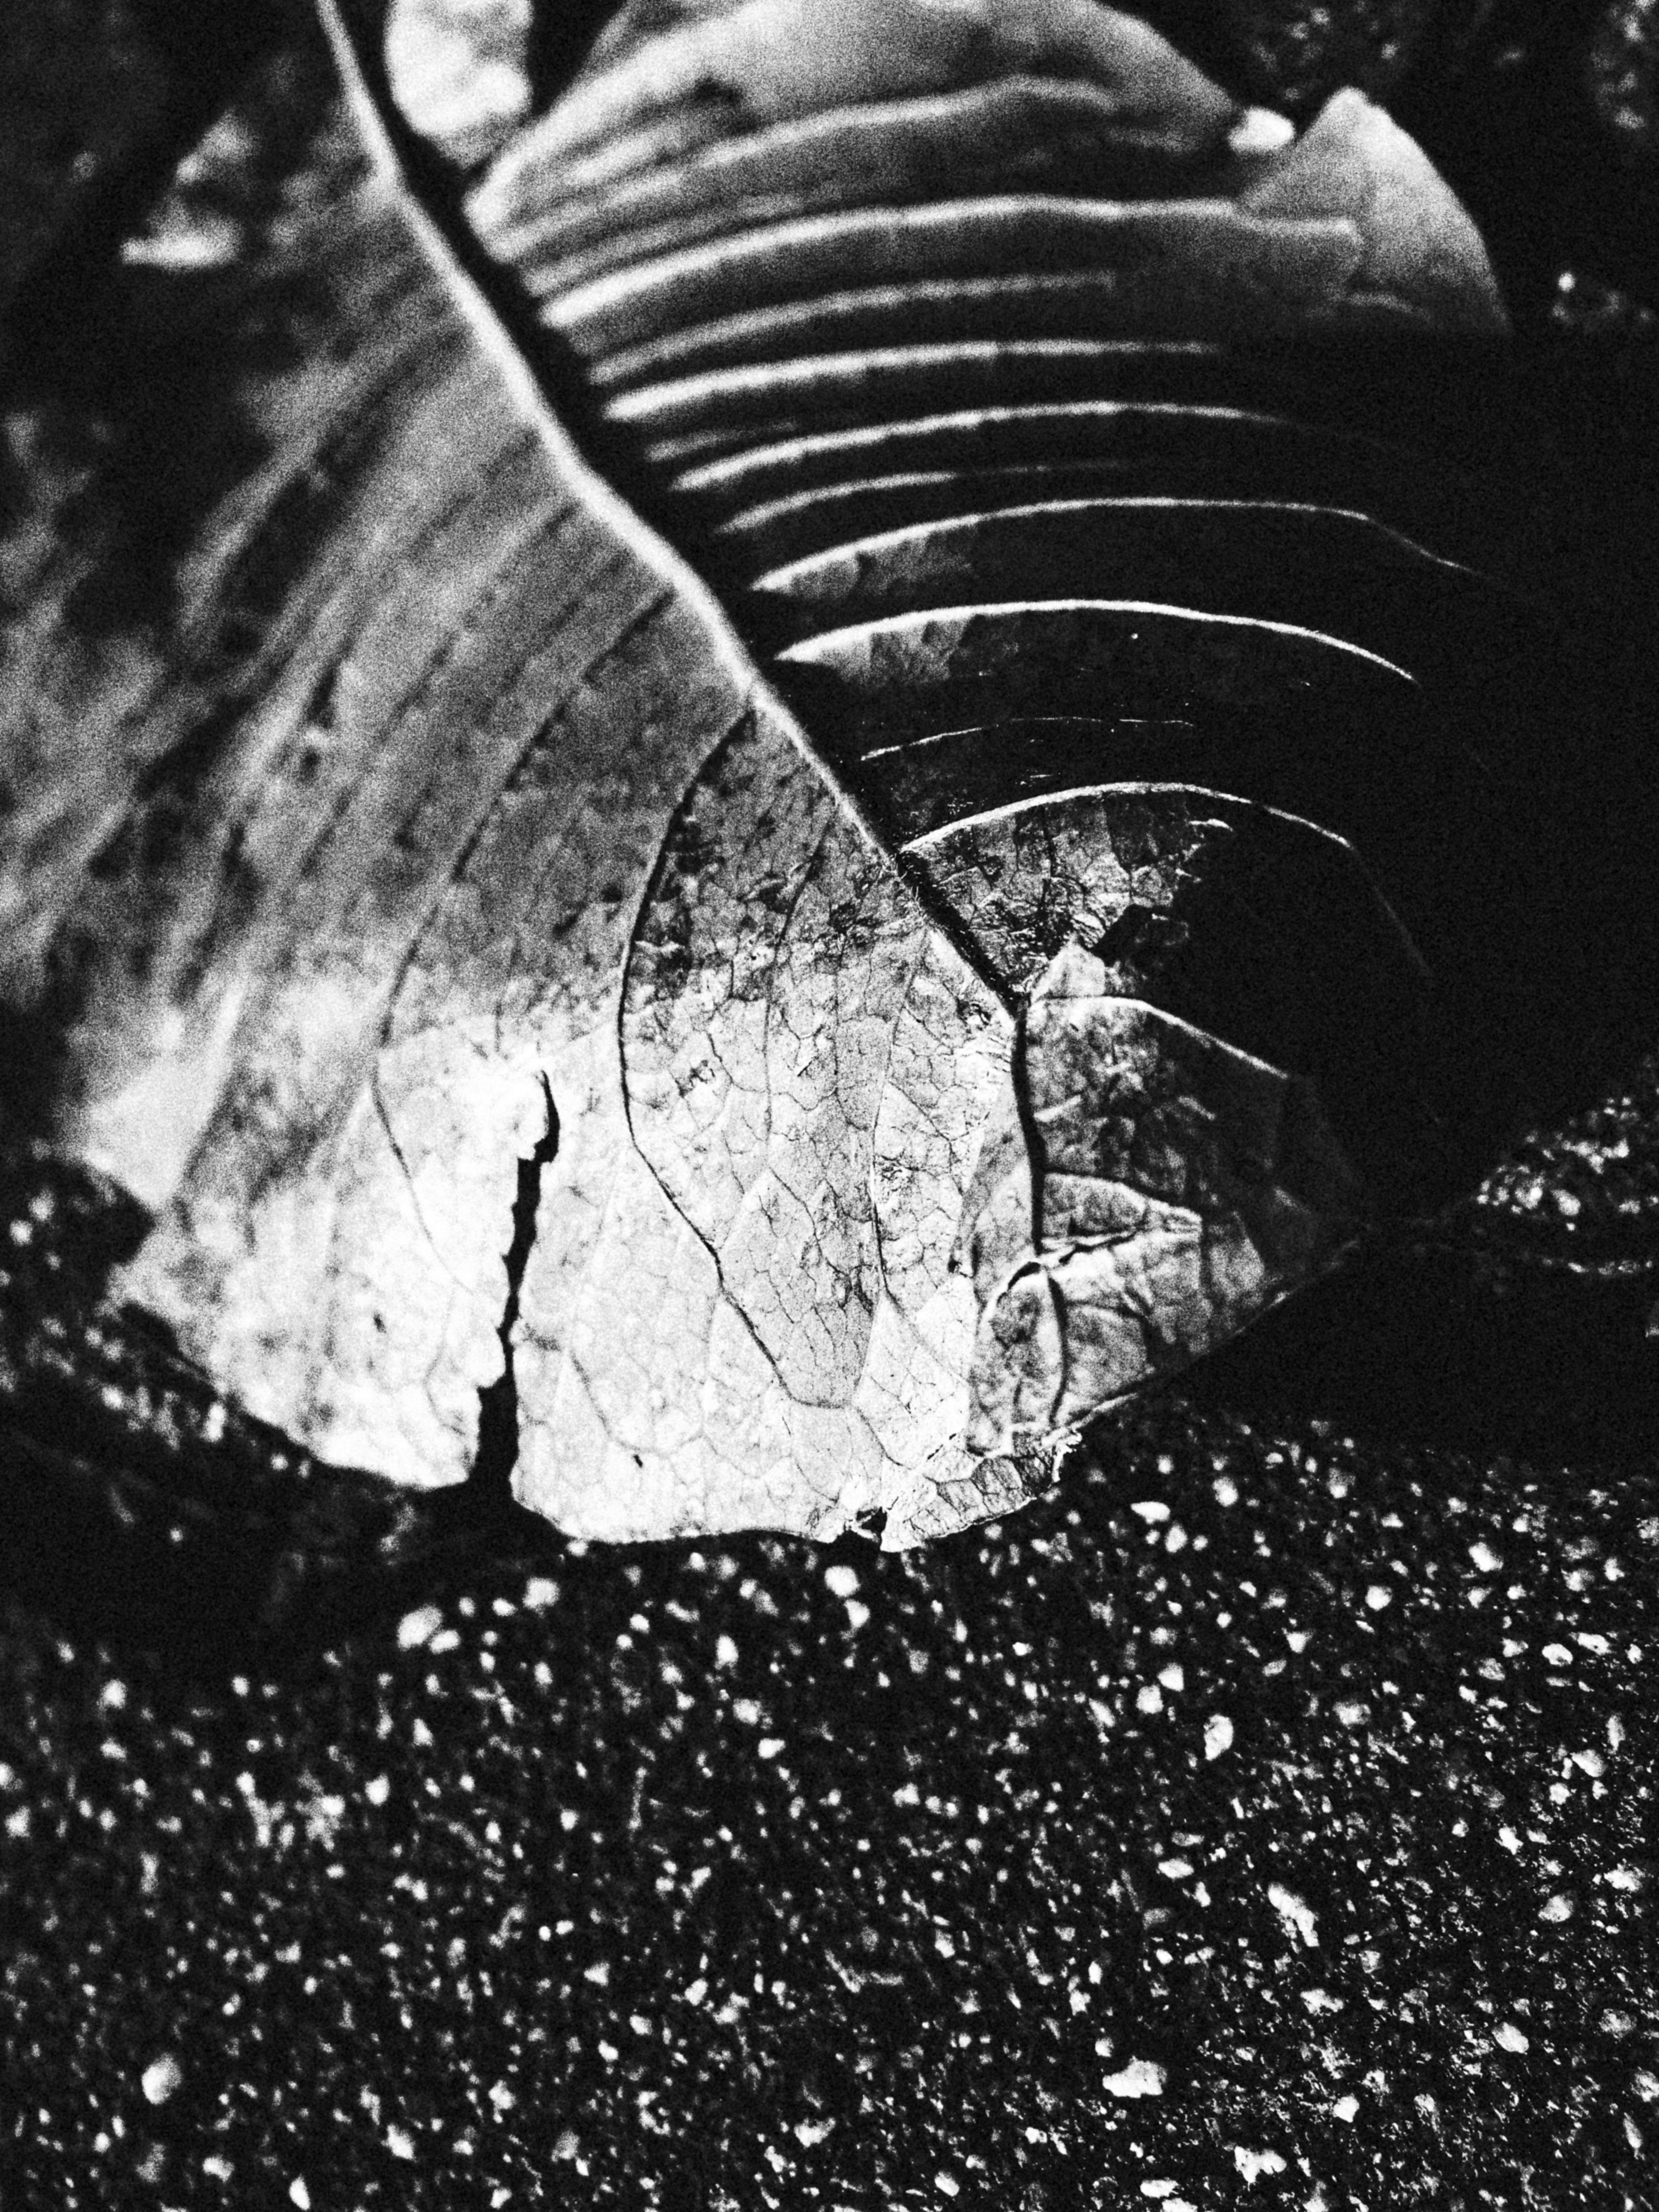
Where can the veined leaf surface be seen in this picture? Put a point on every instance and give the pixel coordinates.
(896, 1135)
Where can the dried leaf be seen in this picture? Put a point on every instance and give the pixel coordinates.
(946, 1026)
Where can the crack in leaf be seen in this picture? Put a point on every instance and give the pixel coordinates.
(498, 1401)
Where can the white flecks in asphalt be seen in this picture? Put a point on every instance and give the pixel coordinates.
(1509, 2037)
(1151, 1509)
(299, 2194)
(322, 1814)
(378, 1791)
(843, 1582)
(264, 1816)
(1139, 2078)
(1149, 1699)
(725, 1652)
(540, 1592)
(418, 1628)
(1218, 1735)
(400, 2143)
(1292, 1909)
(1557, 1908)
(160, 2078)
(1345, 2108)
(1253, 2164)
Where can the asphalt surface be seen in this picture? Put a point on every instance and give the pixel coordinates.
(1267, 1817)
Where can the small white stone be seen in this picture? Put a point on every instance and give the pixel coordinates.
(1292, 1909)
(1139, 2078)
(1253, 2164)
(419, 1627)
(160, 2078)
(1218, 1735)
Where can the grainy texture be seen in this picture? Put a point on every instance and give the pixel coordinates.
(1273, 1795)
(274, 1924)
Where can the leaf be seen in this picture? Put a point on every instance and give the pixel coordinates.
(860, 919)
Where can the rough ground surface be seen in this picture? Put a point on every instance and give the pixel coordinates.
(1275, 1801)
(870, 1878)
